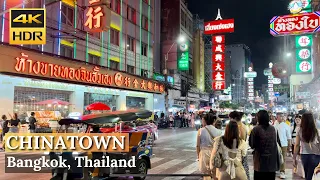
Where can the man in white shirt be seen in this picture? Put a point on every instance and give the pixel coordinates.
(284, 134)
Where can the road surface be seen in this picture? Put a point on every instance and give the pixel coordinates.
(174, 153)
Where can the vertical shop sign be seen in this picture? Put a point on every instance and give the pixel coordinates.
(303, 54)
(270, 87)
(250, 81)
(97, 16)
(218, 66)
(183, 56)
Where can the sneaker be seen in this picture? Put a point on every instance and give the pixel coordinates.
(282, 175)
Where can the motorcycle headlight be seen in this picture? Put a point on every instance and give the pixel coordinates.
(197, 122)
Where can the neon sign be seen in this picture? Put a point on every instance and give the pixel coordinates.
(25, 65)
(295, 24)
(97, 16)
(219, 26)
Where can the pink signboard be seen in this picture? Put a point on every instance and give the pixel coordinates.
(295, 24)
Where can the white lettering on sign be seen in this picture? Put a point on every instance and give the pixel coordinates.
(296, 23)
(219, 27)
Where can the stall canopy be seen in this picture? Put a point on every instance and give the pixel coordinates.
(98, 106)
(53, 102)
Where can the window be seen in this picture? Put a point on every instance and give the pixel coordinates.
(190, 26)
(114, 37)
(116, 6)
(130, 69)
(130, 44)
(94, 59)
(183, 17)
(144, 22)
(144, 49)
(67, 15)
(114, 65)
(97, 35)
(131, 14)
(144, 73)
(66, 51)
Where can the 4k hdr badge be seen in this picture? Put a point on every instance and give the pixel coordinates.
(27, 26)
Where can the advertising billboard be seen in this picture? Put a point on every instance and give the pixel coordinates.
(183, 56)
(218, 66)
(295, 24)
(219, 26)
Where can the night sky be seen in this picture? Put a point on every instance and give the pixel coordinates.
(252, 19)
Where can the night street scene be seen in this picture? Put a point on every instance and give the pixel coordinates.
(196, 89)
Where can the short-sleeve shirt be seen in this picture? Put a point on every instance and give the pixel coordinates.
(205, 139)
(309, 148)
(284, 132)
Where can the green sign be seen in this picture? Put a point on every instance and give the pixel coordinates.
(303, 54)
(304, 66)
(281, 88)
(303, 41)
(158, 77)
(183, 57)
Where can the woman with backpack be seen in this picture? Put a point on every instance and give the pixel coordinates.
(205, 140)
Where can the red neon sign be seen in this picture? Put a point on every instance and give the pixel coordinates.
(218, 57)
(218, 48)
(218, 67)
(219, 85)
(218, 76)
(96, 16)
(220, 39)
(25, 65)
(219, 26)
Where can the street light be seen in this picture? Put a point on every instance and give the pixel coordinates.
(181, 39)
(288, 54)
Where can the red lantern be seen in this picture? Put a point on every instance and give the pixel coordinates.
(280, 70)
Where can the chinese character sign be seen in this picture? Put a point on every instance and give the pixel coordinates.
(97, 16)
(183, 56)
(270, 87)
(218, 66)
(250, 83)
(303, 54)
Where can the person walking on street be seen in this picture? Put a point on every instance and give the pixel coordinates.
(263, 140)
(309, 138)
(32, 123)
(14, 124)
(205, 140)
(284, 132)
(295, 129)
(243, 135)
(231, 149)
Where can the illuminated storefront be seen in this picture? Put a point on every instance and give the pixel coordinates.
(37, 82)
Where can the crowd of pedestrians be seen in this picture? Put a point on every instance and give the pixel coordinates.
(222, 154)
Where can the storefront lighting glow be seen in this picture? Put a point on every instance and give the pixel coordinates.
(59, 27)
(3, 20)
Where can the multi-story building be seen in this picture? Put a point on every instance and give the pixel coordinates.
(240, 61)
(177, 21)
(126, 52)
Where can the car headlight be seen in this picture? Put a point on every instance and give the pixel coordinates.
(197, 122)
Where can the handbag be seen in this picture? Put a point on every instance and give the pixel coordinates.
(217, 159)
(280, 156)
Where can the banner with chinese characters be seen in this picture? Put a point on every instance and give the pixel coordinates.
(97, 16)
(183, 56)
(26, 63)
(218, 63)
(250, 81)
(303, 54)
(270, 87)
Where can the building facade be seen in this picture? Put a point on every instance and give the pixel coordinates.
(177, 21)
(240, 58)
(126, 50)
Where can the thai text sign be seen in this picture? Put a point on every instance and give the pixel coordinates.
(183, 57)
(97, 16)
(46, 67)
(295, 24)
(219, 26)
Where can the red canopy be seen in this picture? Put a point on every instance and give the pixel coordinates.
(98, 106)
(53, 102)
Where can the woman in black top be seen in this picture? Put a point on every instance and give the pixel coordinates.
(263, 140)
(14, 124)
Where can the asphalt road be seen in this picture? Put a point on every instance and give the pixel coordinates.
(174, 153)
